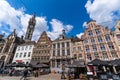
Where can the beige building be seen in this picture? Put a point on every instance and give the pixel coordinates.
(99, 43)
(41, 51)
(117, 34)
(61, 53)
(78, 49)
(9, 47)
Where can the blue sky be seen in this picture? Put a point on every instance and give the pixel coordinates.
(55, 15)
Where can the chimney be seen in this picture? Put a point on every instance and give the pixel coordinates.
(63, 32)
(14, 31)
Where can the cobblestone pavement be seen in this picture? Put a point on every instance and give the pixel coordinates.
(41, 77)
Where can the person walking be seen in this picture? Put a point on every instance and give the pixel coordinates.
(25, 73)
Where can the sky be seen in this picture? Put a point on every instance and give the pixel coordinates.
(53, 16)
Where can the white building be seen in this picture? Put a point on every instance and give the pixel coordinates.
(24, 52)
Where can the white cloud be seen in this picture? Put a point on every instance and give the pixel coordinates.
(18, 19)
(41, 25)
(79, 35)
(85, 24)
(57, 27)
(105, 12)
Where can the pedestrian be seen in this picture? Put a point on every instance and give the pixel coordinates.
(25, 73)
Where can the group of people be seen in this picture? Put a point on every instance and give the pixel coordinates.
(9, 72)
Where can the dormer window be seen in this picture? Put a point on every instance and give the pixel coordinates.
(61, 37)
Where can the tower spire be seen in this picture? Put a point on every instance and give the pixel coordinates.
(30, 28)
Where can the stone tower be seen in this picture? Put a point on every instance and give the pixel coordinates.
(30, 29)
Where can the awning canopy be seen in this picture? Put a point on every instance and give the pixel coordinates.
(36, 64)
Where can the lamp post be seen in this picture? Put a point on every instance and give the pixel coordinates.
(63, 71)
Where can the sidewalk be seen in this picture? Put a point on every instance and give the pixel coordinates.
(41, 77)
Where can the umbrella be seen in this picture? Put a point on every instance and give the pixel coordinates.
(97, 62)
(115, 62)
(11, 65)
(20, 64)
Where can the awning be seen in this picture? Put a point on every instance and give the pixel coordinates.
(36, 64)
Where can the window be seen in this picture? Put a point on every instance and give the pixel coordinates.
(87, 49)
(38, 58)
(25, 54)
(75, 56)
(42, 58)
(58, 63)
(30, 47)
(118, 37)
(26, 47)
(47, 57)
(107, 38)
(102, 47)
(63, 45)
(85, 41)
(23, 48)
(53, 63)
(96, 55)
(80, 56)
(68, 51)
(90, 33)
(97, 31)
(74, 49)
(79, 48)
(111, 46)
(20, 55)
(114, 54)
(29, 54)
(99, 39)
(16, 55)
(92, 40)
(89, 57)
(18, 48)
(63, 52)
(68, 44)
(58, 45)
(105, 56)
(54, 53)
(94, 47)
(58, 53)
(53, 45)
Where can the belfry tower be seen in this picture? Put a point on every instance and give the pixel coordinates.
(30, 29)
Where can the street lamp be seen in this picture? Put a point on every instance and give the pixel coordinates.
(63, 71)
